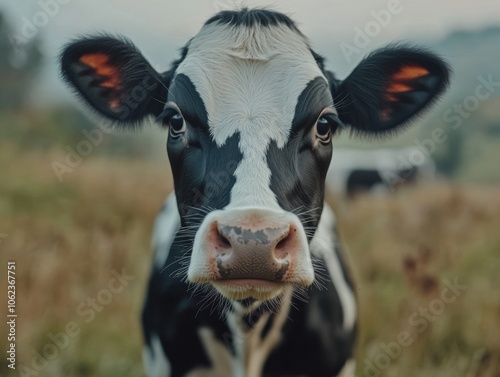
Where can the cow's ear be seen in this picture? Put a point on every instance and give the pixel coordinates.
(113, 78)
(389, 88)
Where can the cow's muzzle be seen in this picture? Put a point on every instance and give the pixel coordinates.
(251, 253)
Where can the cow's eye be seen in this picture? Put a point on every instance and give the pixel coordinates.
(323, 128)
(326, 126)
(173, 119)
(177, 124)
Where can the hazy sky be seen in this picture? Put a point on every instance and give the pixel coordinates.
(159, 28)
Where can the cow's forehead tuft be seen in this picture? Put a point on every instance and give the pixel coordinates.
(254, 42)
(251, 17)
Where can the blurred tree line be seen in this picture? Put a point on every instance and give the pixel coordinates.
(19, 65)
(24, 125)
(449, 157)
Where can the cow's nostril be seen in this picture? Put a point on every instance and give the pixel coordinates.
(282, 247)
(282, 243)
(223, 241)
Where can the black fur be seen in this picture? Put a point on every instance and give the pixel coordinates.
(173, 314)
(250, 17)
(185, 95)
(304, 189)
(363, 92)
(143, 91)
(362, 180)
(311, 102)
(203, 174)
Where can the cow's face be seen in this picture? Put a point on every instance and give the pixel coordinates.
(250, 117)
(251, 114)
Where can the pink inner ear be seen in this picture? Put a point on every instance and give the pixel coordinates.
(396, 87)
(109, 73)
(400, 83)
(411, 72)
(401, 80)
(100, 63)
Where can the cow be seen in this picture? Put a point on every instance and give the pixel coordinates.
(249, 277)
(379, 170)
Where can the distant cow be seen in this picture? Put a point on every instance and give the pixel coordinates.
(249, 278)
(357, 170)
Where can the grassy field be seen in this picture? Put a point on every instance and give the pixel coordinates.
(69, 240)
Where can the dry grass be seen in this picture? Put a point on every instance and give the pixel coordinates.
(67, 238)
(404, 247)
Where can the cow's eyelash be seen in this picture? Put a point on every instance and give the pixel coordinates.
(167, 114)
(334, 119)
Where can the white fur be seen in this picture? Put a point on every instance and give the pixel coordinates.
(166, 225)
(155, 360)
(251, 350)
(250, 80)
(322, 246)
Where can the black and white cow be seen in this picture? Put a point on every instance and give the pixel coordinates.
(378, 170)
(249, 278)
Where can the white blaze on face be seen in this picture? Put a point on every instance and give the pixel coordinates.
(250, 79)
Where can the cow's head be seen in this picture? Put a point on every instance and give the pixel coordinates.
(251, 114)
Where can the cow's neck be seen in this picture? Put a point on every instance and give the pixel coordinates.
(256, 331)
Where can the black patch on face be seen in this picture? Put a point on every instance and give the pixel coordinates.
(298, 171)
(298, 180)
(313, 99)
(203, 172)
(184, 94)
